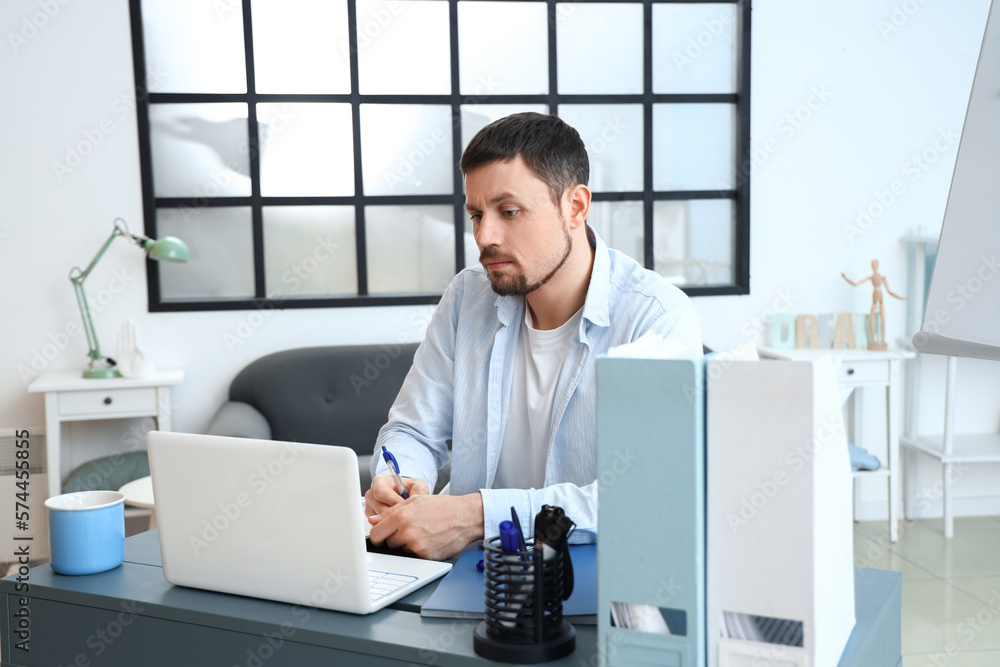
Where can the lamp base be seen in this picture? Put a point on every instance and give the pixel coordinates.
(101, 373)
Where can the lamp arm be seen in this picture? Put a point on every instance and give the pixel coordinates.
(77, 277)
(88, 323)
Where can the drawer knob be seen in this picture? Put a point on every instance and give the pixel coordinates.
(850, 371)
(107, 400)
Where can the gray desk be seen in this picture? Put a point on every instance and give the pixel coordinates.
(131, 616)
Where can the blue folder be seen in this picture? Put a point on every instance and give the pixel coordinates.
(461, 594)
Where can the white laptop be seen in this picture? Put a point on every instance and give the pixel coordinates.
(275, 520)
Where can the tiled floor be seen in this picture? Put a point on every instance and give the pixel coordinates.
(951, 588)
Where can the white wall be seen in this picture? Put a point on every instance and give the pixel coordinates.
(883, 85)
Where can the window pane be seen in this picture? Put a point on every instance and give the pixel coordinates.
(503, 48)
(619, 223)
(477, 116)
(220, 245)
(694, 48)
(307, 149)
(599, 48)
(406, 149)
(193, 46)
(694, 146)
(404, 48)
(693, 241)
(310, 250)
(200, 150)
(301, 46)
(410, 248)
(614, 140)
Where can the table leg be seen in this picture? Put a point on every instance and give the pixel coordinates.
(163, 411)
(947, 507)
(857, 403)
(909, 482)
(53, 444)
(892, 429)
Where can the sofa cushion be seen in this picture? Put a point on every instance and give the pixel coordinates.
(334, 395)
(108, 473)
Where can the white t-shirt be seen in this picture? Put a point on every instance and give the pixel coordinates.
(537, 365)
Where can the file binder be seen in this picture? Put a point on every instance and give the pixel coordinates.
(651, 508)
(779, 510)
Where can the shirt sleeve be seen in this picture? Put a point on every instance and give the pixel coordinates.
(578, 502)
(420, 419)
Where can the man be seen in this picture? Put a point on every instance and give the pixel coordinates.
(506, 370)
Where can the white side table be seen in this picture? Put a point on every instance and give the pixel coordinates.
(860, 369)
(70, 397)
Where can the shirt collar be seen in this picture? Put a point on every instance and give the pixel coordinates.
(595, 306)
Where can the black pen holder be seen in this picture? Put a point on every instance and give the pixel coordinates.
(524, 622)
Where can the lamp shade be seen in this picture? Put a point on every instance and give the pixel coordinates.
(169, 248)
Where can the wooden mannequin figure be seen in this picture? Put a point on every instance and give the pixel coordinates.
(878, 280)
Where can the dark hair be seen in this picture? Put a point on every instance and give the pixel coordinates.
(552, 149)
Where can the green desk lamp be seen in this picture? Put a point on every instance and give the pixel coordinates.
(167, 248)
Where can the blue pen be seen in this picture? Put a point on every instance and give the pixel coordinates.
(390, 461)
(520, 534)
(508, 537)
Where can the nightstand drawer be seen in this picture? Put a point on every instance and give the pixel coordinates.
(863, 372)
(110, 402)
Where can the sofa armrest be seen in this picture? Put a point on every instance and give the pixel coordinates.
(240, 420)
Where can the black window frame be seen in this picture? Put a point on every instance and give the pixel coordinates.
(740, 194)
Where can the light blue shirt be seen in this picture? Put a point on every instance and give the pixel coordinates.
(459, 388)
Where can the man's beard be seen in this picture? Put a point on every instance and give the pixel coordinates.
(517, 285)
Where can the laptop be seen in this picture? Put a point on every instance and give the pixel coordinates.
(275, 520)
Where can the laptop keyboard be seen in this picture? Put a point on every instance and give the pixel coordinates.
(386, 583)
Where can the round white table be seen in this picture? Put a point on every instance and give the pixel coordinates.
(139, 493)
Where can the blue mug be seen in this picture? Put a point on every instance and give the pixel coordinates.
(86, 531)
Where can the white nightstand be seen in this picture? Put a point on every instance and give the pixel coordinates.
(862, 369)
(70, 397)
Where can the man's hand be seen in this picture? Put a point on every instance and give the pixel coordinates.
(434, 527)
(385, 494)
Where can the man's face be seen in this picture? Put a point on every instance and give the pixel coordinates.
(522, 235)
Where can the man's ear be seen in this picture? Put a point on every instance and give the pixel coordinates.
(577, 199)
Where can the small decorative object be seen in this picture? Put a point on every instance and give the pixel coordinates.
(167, 248)
(130, 355)
(878, 280)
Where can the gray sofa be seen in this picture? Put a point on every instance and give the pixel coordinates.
(337, 395)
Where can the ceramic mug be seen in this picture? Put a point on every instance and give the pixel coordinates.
(86, 531)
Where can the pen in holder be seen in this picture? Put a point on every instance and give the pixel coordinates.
(524, 622)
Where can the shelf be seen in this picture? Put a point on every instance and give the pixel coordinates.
(881, 472)
(968, 448)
